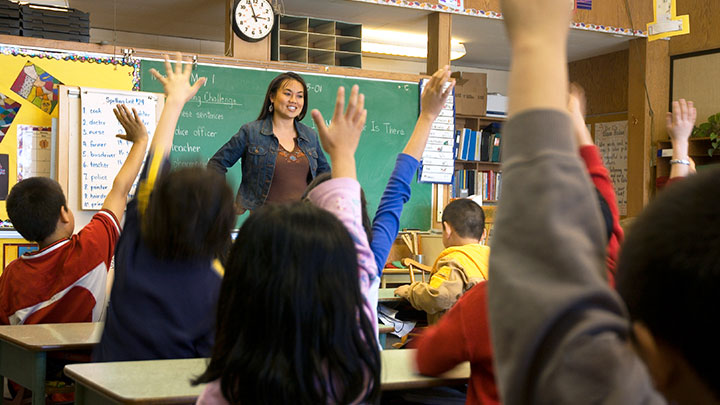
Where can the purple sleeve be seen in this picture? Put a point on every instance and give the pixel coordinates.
(341, 196)
(387, 218)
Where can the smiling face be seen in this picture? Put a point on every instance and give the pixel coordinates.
(288, 100)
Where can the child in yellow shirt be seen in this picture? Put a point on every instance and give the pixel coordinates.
(462, 264)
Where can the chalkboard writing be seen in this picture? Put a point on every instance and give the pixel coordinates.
(233, 96)
(101, 153)
(611, 138)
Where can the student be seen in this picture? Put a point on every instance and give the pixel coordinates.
(463, 334)
(165, 288)
(294, 323)
(566, 338)
(384, 229)
(65, 281)
(462, 264)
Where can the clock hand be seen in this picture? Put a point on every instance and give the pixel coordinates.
(253, 10)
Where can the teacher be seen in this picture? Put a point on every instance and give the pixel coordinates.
(280, 155)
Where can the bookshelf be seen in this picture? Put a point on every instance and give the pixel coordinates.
(319, 41)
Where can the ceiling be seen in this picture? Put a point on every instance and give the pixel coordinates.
(485, 40)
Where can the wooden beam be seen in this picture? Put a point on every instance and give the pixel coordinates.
(648, 92)
(439, 34)
(236, 47)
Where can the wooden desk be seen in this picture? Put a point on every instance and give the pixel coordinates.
(386, 295)
(168, 381)
(23, 350)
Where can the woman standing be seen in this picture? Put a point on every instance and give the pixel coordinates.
(280, 155)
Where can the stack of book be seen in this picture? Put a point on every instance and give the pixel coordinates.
(9, 18)
(485, 183)
(479, 146)
(66, 24)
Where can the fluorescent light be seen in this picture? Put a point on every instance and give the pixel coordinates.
(400, 43)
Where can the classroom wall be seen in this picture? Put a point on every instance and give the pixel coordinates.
(605, 80)
(704, 27)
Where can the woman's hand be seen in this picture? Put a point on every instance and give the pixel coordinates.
(177, 81)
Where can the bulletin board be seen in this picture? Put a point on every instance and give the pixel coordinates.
(695, 76)
(610, 133)
(33, 71)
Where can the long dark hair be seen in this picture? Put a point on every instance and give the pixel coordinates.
(275, 85)
(189, 215)
(290, 324)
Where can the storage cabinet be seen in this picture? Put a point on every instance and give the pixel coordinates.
(313, 40)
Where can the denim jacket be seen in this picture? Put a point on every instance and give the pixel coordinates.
(257, 146)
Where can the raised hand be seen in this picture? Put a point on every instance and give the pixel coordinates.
(434, 95)
(177, 81)
(135, 130)
(681, 121)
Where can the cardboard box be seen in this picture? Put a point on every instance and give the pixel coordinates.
(470, 93)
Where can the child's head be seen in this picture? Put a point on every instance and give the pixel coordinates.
(463, 222)
(189, 215)
(37, 207)
(669, 276)
(321, 178)
(290, 327)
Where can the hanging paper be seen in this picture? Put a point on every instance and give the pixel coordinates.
(38, 87)
(33, 151)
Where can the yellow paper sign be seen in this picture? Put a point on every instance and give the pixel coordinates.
(667, 23)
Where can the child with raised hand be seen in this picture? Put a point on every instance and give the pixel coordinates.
(65, 281)
(304, 271)
(384, 228)
(165, 288)
(566, 338)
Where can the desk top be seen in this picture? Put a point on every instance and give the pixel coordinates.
(388, 295)
(53, 336)
(168, 381)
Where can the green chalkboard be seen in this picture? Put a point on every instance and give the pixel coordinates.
(233, 96)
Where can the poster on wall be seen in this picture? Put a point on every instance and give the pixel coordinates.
(37, 86)
(33, 151)
(8, 111)
(611, 139)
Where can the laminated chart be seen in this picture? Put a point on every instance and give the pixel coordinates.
(37, 86)
(8, 111)
(33, 151)
(101, 152)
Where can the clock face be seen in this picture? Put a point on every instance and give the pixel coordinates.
(253, 19)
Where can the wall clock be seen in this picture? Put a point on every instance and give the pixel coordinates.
(252, 20)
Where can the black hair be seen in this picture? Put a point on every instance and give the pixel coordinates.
(275, 86)
(669, 271)
(322, 178)
(466, 217)
(33, 206)
(290, 320)
(189, 215)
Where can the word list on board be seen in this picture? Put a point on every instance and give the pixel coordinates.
(101, 152)
(438, 159)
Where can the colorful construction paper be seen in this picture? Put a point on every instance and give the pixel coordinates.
(8, 110)
(37, 86)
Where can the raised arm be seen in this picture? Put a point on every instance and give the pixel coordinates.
(397, 192)
(178, 91)
(432, 102)
(136, 133)
(680, 123)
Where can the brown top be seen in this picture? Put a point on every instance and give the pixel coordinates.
(290, 177)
